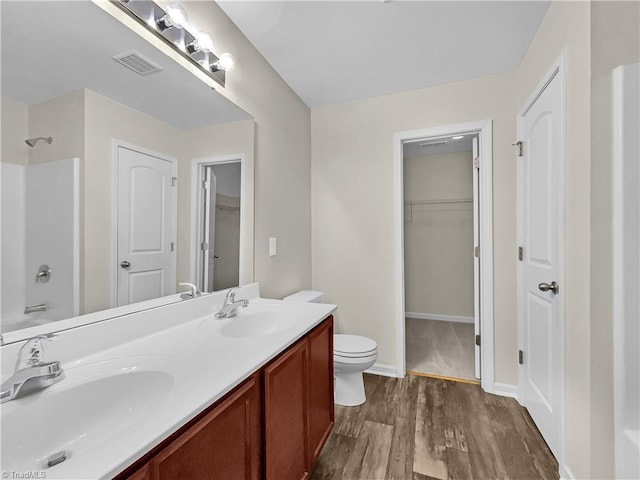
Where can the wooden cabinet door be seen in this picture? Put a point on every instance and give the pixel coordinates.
(321, 412)
(223, 445)
(285, 415)
(142, 474)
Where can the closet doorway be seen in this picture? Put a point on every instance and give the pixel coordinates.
(445, 327)
(219, 223)
(439, 261)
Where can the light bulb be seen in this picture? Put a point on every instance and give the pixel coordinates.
(175, 17)
(204, 42)
(178, 16)
(458, 137)
(226, 62)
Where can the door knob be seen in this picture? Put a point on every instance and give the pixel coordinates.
(125, 264)
(545, 287)
(215, 257)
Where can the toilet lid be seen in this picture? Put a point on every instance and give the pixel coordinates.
(353, 345)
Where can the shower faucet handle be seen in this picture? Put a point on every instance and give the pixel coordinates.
(44, 274)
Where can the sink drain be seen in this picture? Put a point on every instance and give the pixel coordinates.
(56, 459)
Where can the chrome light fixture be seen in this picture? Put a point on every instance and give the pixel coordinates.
(172, 26)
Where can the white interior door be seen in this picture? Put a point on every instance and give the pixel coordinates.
(208, 228)
(476, 254)
(540, 283)
(145, 227)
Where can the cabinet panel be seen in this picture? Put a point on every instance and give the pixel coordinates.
(321, 406)
(224, 445)
(142, 474)
(286, 430)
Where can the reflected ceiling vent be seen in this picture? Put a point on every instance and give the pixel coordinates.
(137, 62)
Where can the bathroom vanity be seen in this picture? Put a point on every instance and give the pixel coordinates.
(172, 392)
(272, 426)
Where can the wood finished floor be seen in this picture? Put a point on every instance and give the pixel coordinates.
(420, 428)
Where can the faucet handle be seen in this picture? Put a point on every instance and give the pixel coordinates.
(195, 291)
(231, 296)
(32, 352)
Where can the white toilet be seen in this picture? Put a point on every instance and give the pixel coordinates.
(352, 355)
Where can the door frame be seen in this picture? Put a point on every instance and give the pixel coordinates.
(484, 128)
(557, 70)
(115, 144)
(196, 211)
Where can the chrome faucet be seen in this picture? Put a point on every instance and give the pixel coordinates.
(230, 306)
(31, 372)
(195, 291)
(35, 308)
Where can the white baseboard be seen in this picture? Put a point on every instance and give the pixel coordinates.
(383, 370)
(436, 316)
(505, 390)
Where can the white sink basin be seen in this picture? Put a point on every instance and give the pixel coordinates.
(261, 320)
(91, 404)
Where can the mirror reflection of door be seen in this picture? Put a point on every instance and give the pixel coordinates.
(220, 249)
(145, 226)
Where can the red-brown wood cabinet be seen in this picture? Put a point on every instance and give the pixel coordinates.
(272, 426)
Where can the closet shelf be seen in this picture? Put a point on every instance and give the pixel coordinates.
(433, 201)
(438, 201)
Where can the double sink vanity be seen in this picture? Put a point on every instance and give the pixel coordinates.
(172, 392)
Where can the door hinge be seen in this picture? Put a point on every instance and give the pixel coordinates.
(520, 357)
(204, 246)
(478, 340)
(476, 163)
(476, 251)
(206, 185)
(172, 246)
(519, 147)
(520, 253)
(174, 180)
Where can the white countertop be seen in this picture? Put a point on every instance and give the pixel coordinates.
(189, 366)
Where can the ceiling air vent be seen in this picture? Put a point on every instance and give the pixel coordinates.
(137, 62)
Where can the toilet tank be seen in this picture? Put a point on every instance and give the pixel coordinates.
(305, 296)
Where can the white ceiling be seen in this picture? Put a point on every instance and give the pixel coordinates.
(335, 52)
(52, 48)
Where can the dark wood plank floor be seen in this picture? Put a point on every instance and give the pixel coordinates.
(419, 428)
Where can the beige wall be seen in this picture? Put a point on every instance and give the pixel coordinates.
(615, 41)
(352, 204)
(213, 141)
(107, 120)
(63, 119)
(438, 239)
(83, 125)
(282, 155)
(14, 128)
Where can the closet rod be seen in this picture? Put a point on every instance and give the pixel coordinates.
(438, 201)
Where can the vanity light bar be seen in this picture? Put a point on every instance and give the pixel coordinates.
(155, 19)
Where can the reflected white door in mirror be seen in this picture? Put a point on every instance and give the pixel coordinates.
(145, 233)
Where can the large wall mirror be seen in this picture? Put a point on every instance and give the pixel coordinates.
(122, 173)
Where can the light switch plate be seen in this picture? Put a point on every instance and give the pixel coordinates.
(273, 246)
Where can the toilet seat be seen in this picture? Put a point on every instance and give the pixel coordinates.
(353, 346)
